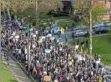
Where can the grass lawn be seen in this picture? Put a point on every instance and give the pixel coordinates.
(7, 76)
(102, 47)
(63, 20)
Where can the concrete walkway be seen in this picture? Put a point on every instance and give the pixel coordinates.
(16, 71)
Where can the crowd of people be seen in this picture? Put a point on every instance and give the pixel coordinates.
(47, 59)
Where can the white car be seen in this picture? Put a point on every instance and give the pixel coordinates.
(99, 25)
(80, 32)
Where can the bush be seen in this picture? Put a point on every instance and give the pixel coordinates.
(69, 23)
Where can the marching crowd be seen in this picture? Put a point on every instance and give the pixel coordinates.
(47, 59)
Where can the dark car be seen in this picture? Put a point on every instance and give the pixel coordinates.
(100, 30)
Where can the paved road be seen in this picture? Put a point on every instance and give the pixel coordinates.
(15, 69)
(68, 35)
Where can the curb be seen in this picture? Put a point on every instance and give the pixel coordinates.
(23, 69)
(3, 61)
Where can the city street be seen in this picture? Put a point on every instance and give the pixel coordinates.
(55, 41)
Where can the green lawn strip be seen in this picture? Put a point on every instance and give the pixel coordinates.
(101, 46)
(7, 76)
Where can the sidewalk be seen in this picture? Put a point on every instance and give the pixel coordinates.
(16, 71)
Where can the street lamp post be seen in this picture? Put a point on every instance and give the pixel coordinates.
(91, 23)
(91, 28)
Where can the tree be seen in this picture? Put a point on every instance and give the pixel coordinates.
(19, 6)
(5, 7)
(47, 5)
(25, 9)
(83, 7)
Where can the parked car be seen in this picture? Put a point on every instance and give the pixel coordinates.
(79, 32)
(101, 30)
(108, 24)
(108, 78)
(97, 25)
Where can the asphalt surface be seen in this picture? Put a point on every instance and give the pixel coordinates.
(68, 35)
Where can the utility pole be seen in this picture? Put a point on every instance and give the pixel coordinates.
(91, 23)
(36, 12)
(91, 47)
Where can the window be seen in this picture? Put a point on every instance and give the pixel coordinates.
(108, 11)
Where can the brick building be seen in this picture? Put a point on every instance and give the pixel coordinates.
(107, 16)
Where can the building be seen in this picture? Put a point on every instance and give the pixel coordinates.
(107, 15)
(68, 7)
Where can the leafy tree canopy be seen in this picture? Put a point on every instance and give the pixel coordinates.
(84, 6)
